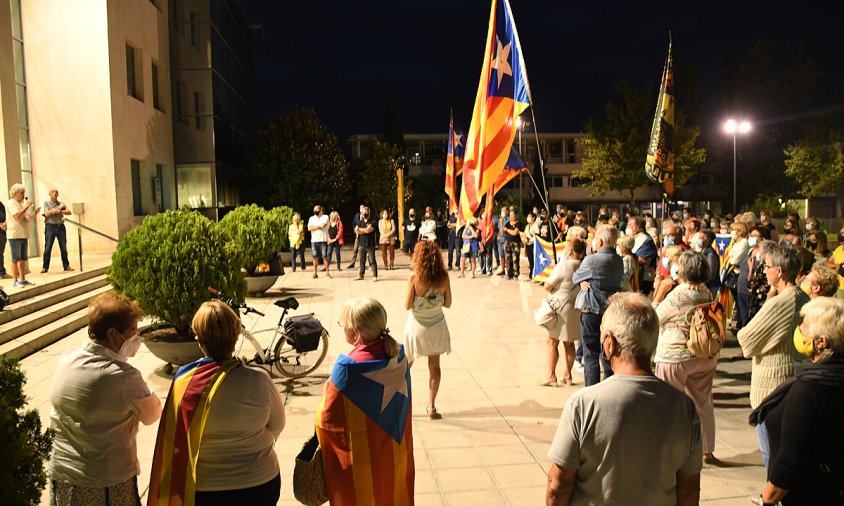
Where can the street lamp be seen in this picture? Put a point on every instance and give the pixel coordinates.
(734, 127)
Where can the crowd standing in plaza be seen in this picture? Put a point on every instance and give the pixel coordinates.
(621, 292)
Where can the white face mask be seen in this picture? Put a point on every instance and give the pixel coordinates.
(130, 346)
(810, 226)
(733, 234)
(764, 217)
(675, 272)
(751, 241)
(594, 245)
(628, 232)
(697, 244)
(665, 262)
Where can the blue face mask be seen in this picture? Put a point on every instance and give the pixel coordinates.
(698, 244)
(668, 241)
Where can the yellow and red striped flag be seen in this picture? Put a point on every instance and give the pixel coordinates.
(453, 163)
(503, 95)
(659, 163)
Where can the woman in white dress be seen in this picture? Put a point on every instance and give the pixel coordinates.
(426, 332)
(565, 325)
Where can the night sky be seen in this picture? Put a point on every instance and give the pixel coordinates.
(346, 59)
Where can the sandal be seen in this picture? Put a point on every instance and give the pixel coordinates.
(566, 382)
(433, 414)
(548, 383)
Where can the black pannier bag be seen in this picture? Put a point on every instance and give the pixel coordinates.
(303, 332)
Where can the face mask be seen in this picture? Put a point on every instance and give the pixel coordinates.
(594, 245)
(810, 226)
(751, 241)
(675, 272)
(365, 215)
(806, 287)
(763, 217)
(665, 262)
(130, 346)
(427, 216)
(706, 216)
(619, 252)
(412, 215)
(811, 245)
(604, 353)
(685, 216)
(758, 257)
(668, 241)
(733, 234)
(712, 224)
(628, 232)
(535, 211)
(804, 345)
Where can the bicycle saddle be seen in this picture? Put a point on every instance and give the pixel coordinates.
(288, 303)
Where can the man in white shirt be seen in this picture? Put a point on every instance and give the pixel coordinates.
(318, 227)
(631, 439)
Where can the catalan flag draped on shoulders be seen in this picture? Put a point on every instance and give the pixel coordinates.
(723, 244)
(503, 95)
(173, 476)
(659, 164)
(453, 164)
(364, 428)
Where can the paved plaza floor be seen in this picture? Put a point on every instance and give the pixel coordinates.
(490, 447)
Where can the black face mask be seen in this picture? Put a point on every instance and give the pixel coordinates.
(840, 238)
(811, 245)
(364, 215)
(412, 216)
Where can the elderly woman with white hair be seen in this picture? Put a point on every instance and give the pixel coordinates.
(803, 415)
(18, 217)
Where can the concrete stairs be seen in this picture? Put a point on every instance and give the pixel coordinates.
(45, 313)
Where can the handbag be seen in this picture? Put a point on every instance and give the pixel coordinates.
(467, 247)
(548, 312)
(731, 280)
(309, 476)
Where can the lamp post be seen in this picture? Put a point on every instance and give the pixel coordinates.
(734, 127)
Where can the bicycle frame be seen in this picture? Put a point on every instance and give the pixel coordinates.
(262, 353)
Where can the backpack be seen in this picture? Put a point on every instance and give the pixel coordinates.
(707, 329)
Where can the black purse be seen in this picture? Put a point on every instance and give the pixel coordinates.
(731, 280)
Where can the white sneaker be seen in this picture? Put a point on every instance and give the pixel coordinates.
(578, 366)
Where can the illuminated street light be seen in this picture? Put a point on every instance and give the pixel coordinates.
(733, 127)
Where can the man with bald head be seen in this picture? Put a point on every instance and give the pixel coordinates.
(54, 213)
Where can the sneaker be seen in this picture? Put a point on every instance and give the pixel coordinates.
(17, 285)
(24, 282)
(359, 278)
(375, 279)
(43, 271)
(68, 269)
(351, 266)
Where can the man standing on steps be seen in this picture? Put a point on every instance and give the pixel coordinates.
(54, 213)
(365, 231)
(355, 222)
(318, 227)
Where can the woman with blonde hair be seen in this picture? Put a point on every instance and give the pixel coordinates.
(296, 236)
(426, 332)
(471, 237)
(243, 412)
(387, 239)
(363, 421)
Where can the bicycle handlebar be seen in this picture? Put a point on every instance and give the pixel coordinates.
(217, 294)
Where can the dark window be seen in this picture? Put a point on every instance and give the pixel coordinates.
(181, 101)
(137, 201)
(134, 75)
(197, 110)
(156, 95)
(194, 29)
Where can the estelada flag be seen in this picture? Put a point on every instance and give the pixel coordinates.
(503, 95)
(453, 163)
(723, 244)
(659, 164)
(364, 428)
(515, 166)
(543, 258)
(173, 475)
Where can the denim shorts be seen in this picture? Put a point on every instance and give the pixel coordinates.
(18, 247)
(319, 249)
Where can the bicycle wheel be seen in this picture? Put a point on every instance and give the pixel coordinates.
(293, 364)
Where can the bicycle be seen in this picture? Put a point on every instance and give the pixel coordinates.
(295, 352)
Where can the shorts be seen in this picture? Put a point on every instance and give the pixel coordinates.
(319, 249)
(18, 247)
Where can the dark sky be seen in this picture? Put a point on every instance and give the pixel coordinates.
(346, 58)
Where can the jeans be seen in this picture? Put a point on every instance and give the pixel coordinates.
(51, 233)
(334, 246)
(485, 257)
(454, 245)
(355, 251)
(363, 253)
(300, 252)
(2, 253)
(499, 250)
(529, 254)
(764, 445)
(590, 333)
(493, 251)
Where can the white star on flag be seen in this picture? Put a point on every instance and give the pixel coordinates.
(501, 64)
(392, 378)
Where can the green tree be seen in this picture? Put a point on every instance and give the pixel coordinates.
(615, 147)
(296, 162)
(378, 183)
(816, 164)
(22, 444)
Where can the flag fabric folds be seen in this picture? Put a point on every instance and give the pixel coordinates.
(364, 428)
(515, 165)
(503, 94)
(543, 258)
(173, 476)
(659, 164)
(723, 244)
(453, 163)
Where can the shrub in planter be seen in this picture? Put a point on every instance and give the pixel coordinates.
(256, 234)
(168, 262)
(22, 444)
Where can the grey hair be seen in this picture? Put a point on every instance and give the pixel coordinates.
(694, 268)
(607, 234)
(633, 322)
(17, 187)
(824, 316)
(767, 246)
(787, 260)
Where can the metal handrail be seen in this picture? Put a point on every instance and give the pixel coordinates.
(79, 228)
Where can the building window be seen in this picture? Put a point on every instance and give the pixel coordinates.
(134, 74)
(181, 101)
(571, 151)
(137, 201)
(156, 89)
(194, 29)
(194, 185)
(197, 110)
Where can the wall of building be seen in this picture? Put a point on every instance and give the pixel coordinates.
(10, 162)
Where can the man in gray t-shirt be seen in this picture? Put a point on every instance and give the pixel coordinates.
(631, 439)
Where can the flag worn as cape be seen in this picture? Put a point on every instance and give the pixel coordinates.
(453, 163)
(659, 164)
(723, 244)
(173, 476)
(503, 94)
(543, 258)
(364, 427)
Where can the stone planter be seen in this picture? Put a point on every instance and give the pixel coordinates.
(171, 348)
(257, 285)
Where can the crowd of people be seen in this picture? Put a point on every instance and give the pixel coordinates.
(621, 293)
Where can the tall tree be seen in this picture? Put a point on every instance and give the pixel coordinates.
(614, 149)
(295, 161)
(378, 182)
(816, 164)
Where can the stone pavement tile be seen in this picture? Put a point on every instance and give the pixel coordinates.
(445, 458)
(713, 487)
(505, 455)
(446, 439)
(430, 499)
(425, 482)
(463, 480)
(525, 496)
(480, 497)
(538, 433)
(518, 475)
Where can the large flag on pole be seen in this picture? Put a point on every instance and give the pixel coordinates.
(453, 163)
(503, 95)
(515, 165)
(659, 165)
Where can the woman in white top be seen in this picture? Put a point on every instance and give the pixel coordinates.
(426, 332)
(428, 228)
(565, 327)
(387, 239)
(97, 401)
(674, 362)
